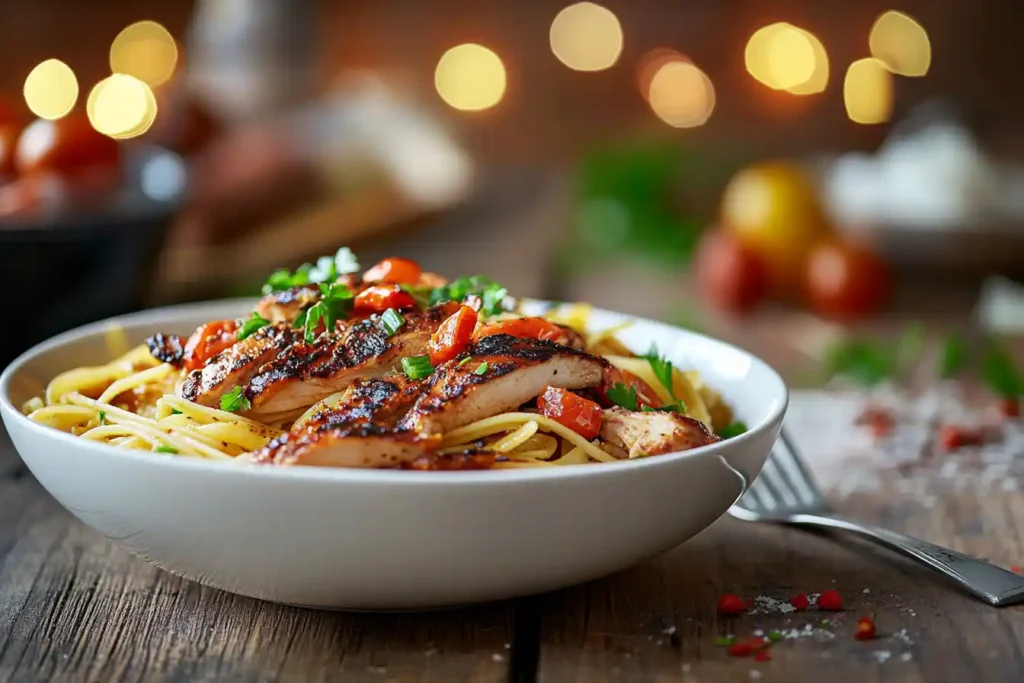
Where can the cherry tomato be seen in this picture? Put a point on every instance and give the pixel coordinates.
(845, 280)
(9, 134)
(774, 209)
(453, 336)
(380, 298)
(531, 328)
(395, 271)
(572, 411)
(209, 340)
(68, 145)
(645, 395)
(729, 274)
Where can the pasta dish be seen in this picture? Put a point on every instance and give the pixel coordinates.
(391, 368)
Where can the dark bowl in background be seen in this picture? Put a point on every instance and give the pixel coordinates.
(69, 265)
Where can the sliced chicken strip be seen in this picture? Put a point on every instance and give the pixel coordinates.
(237, 364)
(517, 371)
(653, 433)
(357, 432)
(305, 374)
(286, 305)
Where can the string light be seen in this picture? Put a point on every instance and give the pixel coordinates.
(51, 89)
(145, 50)
(818, 80)
(786, 57)
(901, 44)
(121, 106)
(586, 37)
(868, 91)
(470, 77)
(649, 65)
(681, 95)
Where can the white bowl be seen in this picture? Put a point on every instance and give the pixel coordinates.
(365, 539)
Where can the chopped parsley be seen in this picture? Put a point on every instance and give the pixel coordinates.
(662, 369)
(952, 355)
(417, 367)
(465, 360)
(251, 325)
(103, 417)
(674, 407)
(327, 269)
(390, 321)
(175, 411)
(481, 369)
(622, 395)
(234, 400)
(492, 295)
(732, 429)
(1000, 372)
(164, 448)
(335, 303)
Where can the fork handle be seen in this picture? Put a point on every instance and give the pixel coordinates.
(992, 584)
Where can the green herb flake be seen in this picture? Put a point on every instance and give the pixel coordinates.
(234, 401)
(675, 407)
(103, 417)
(164, 448)
(481, 369)
(1000, 373)
(327, 269)
(390, 321)
(662, 369)
(724, 641)
(175, 411)
(251, 325)
(952, 355)
(863, 361)
(417, 367)
(492, 295)
(732, 429)
(336, 301)
(775, 636)
(622, 395)
(465, 360)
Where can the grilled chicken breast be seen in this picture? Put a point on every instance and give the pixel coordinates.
(517, 371)
(285, 306)
(167, 348)
(237, 364)
(357, 432)
(303, 374)
(653, 433)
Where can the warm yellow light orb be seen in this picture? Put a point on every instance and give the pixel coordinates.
(586, 37)
(868, 92)
(145, 50)
(121, 106)
(51, 89)
(901, 44)
(818, 80)
(786, 57)
(681, 95)
(790, 58)
(470, 77)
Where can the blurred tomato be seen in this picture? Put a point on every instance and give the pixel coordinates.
(66, 146)
(845, 280)
(11, 114)
(730, 275)
(9, 133)
(774, 209)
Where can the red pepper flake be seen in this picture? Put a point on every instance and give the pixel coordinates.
(729, 604)
(758, 644)
(865, 629)
(952, 437)
(741, 649)
(762, 656)
(830, 600)
(800, 602)
(1009, 407)
(879, 422)
(1016, 569)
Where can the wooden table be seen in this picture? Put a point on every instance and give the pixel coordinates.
(74, 607)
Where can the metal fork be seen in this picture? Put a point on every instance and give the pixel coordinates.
(785, 493)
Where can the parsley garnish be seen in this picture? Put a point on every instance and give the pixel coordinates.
(1000, 372)
(861, 360)
(492, 295)
(164, 448)
(335, 303)
(420, 294)
(732, 429)
(674, 407)
(390, 321)
(417, 367)
(175, 411)
(662, 369)
(622, 395)
(481, 369)
(952, 355)
(252, 325)
(103, 417)
(234, 400)
(465, 360)
(327, 269)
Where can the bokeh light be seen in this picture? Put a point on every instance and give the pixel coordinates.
(51, 89)
(868, 91)
(901, 44)
(470, 77)
(786, 57)
(145, 50)
(681, 95)
(651, 62)
(121, 106)
(586, 37)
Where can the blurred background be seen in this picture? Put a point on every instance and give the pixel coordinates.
(781, 174)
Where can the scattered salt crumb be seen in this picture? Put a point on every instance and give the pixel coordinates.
(786, 608)
(903, 637)
(906, 657)
(755, 675)
(758, 633)
(866, 591)
(881, 656)
(669, 631)
(497, 658)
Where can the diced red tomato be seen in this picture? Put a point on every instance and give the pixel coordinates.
(453, 336)
(865, 629)
(572, 411)
(729, 604)
(645, 395)
(952, 437)
(395, 270)
(528, 328)
(209, 340)
(380, 298)
(1009, 407)
(830, 601)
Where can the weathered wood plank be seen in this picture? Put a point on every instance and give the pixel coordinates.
(75, 607)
